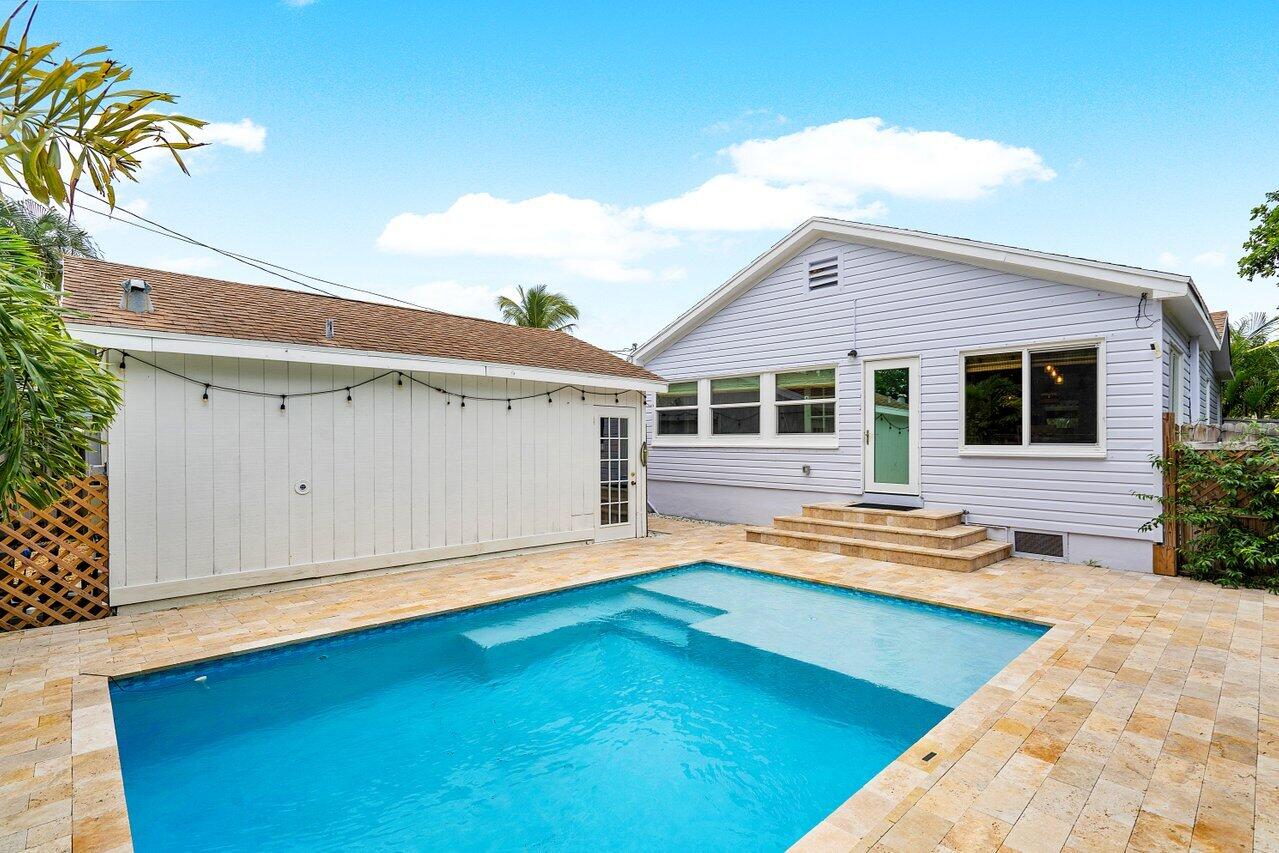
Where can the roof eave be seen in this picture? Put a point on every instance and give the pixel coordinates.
(147, 340)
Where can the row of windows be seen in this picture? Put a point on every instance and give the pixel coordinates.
(1012, 398)
(804, 401)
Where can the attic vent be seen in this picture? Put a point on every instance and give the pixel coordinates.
(329, 329)
(1041, 544)
(823, 273)
(136, 296)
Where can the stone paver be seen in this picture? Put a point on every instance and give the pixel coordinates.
(1147, 717)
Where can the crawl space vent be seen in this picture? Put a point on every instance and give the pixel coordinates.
(823, 273)
(1043, 544)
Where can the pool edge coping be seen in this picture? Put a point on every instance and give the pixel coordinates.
(98, 798)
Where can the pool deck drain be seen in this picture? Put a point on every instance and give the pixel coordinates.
(1147, 717)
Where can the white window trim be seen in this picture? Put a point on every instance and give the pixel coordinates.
(696, 407)
(1176, 382)
(768, 436)
(1026, 449)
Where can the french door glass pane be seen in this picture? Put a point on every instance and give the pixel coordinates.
(615, 483)
(1063, 397)
(992, 399)
(892, 425)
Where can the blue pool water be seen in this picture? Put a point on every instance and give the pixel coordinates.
(701, 708)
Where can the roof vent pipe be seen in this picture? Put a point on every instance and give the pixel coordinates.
(136, 296)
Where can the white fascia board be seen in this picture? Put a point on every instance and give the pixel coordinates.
(143, 340)
(1097, 275)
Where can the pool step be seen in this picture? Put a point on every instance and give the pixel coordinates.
(947, 539)
(933, 538)
(915, 519)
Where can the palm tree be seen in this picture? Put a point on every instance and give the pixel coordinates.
(50, 234)
(1253, 391)
(539, 309)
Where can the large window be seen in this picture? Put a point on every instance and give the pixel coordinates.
(735, 406)
(806, 402)
(1033, 398)
(677, 409)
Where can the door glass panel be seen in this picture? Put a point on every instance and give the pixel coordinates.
(891, 425)
(615, 483)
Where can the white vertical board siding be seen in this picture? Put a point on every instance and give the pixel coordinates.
(202, 489)
(890, 303)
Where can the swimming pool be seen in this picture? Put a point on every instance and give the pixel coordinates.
(703, 707)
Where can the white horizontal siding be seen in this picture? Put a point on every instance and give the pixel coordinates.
(201, 489)
(891, 303)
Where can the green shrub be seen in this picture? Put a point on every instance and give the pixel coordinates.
(1228, 500)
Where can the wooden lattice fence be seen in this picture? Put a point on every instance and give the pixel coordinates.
(53, 561)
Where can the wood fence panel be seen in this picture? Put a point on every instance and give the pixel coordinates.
(53, 561)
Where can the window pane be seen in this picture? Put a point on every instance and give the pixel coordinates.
(738, 389)
(678, 422)
(678, 394)
(806, 385)
(1063, 397)
(735, 421)
(809, 418)
(992, 399)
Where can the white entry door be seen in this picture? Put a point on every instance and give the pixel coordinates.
(620, 500)
(890, 411)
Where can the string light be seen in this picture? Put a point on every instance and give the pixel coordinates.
(207, 387)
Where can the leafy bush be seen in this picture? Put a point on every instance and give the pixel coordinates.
(1228, 500)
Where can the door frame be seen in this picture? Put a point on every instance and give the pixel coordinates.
(630, 528)
(869, 366)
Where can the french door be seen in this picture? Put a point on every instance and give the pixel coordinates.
(619, 497)
(890, 429)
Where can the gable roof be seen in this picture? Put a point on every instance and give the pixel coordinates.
(193, 305)
(1179, 290)
(1220, 321)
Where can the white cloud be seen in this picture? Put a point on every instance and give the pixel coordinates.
(473, 300)
(587, 237)
(1167, 260)
(861, 155)
(739, 203)
(244, 134)
(747, 118)
(829, 170)
(1209, 259)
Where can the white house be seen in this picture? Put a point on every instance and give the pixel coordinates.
(270, 435)
(860, 363)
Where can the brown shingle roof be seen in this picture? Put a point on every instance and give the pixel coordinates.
(189, 304)
(1220, 319)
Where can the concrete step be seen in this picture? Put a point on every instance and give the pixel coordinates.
(946, 539)
(916, 519)
(969, 558)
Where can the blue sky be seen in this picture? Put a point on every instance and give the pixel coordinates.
(637, 157)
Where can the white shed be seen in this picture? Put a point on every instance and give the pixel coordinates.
(270, 435)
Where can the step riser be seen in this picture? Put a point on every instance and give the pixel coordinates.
(885, 519)
(896, 537)
(885, 553)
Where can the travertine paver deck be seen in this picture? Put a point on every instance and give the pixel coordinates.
(1148, 717)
